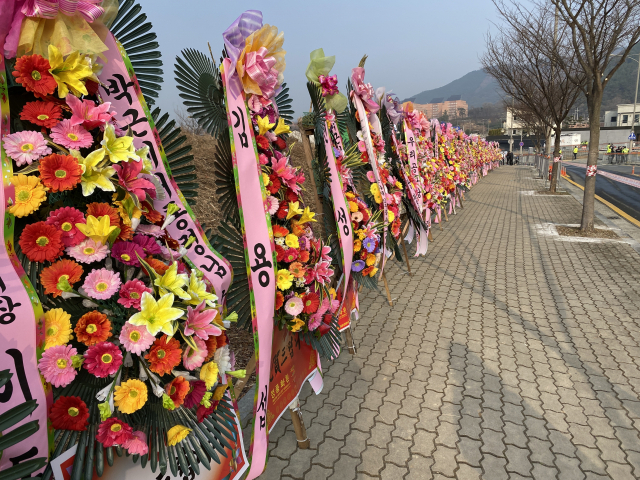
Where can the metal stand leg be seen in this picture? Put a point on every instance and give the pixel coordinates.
(298, 424)
(349, 340)
(386, 287)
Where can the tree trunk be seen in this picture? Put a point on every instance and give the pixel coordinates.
(554, 169)
(594, 102)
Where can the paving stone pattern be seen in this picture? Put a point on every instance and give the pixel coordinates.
(507, 355)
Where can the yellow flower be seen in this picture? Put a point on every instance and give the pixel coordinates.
(297, 325)
(98, 229)
(357, 245)
(428, 196)
(130, 396)
(265, 179)
(390, 215)
(57, 328)
(176, 434)
(373, 271)
(118, 149)
(353, 207)
(371, 259)
(92, 176)
(209, 374)
(350, 195)
(375, 191)
(197, 289)
(218, 393)
(157, 316)
(70, 73)
(284, 279)
(294, 209)
(307, 216)
(398, 184)
(172, 281)
(264, 125)
(361, 234)
(29, 195)
(292, 241)
(282, 127)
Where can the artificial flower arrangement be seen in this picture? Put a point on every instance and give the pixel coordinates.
(125, 311)
(304, 302)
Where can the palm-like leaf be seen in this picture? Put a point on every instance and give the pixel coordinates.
(283, 101)
(327, 345)
(225, 180)
(199, 81)
(178, 152)
(138, 40)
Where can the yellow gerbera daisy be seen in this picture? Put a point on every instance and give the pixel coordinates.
(30, 193)
(284, 279)
(130, 396)
(371, 259)
(292, 241)
(176, 434)
(357, 245)
(57, 328)
(353, 207)
(297, 324)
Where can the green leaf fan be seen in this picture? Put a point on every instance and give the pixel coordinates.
(199, 81)
(138, 40)
(283, 101)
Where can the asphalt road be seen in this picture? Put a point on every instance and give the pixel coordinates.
(625, 197)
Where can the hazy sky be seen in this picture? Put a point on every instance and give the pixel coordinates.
(413, 45)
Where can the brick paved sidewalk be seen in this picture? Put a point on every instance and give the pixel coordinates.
(508, 354)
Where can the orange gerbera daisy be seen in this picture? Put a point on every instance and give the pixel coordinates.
(279, 231)
(212, 346)
(150, 214)
(93, 327)
(177, 390)
(303, 256)
(157, 265)
(41, 242)
(279, 300)
(64, 268)
(32, 71)
(164, 355)
(126, 232)
(298, 228)
(60, 172)
(44, 114)
(100, 209)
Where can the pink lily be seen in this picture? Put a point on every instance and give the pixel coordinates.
(199, 322)
(282, 168)
(128, 173)
(87, 114)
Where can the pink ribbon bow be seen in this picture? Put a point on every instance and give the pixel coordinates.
(260, 68)
(89, 9)
(363, 90)
(329, 85)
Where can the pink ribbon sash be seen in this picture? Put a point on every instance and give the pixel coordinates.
(124, 94)
(340, 211)
(89, 9)
(260, 259)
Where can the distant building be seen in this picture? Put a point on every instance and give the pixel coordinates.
(622, 116)
(437, 106)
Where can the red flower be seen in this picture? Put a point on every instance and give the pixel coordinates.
(101, 209)
(280, 252)
(44, 114)
(50, 276)
(69, 413)
(292, 196)
(41, 242)
(65, 219)
(32, 71)
(274, 184)
(262, 143)
(113, 431)
(280, 144)
(311, 302)
(279, 231)
(129, 179)
(279, 300)
(60, 172)
(282, 211)
(177, 390)
(304, 256)
(203, 412)
(291, 255)
(164, 356)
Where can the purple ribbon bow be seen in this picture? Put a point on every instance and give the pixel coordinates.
(89, 9)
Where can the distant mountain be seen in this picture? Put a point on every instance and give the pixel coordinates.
(476, 88)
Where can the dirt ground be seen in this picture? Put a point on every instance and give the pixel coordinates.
(576, 232)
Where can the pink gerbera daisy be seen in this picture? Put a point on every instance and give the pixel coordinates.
(135, 339)
(192, 359)
(197, 389)
(25, 147)
(272, 204)
(127, 253)
(71, 136)
(88, 251)
(65, 219)
(294, 306)
(56, 365)
(148, 244)
(137, 444)
(131, 293)
(101, 283)
(102, 359)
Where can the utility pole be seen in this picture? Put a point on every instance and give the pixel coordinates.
(633, 117)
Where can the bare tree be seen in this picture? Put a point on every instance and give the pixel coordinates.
(187, 123)
(522, 59)
(531, 123)
(598, 30)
